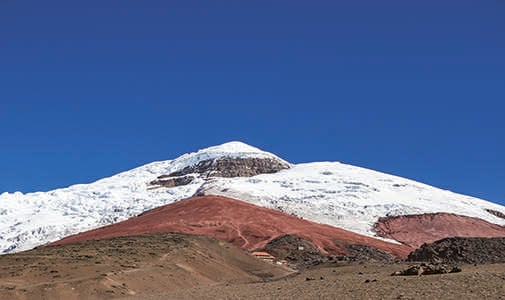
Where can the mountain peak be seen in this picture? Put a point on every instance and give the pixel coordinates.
(233, 147)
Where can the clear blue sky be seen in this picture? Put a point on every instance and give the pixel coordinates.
(412, 88)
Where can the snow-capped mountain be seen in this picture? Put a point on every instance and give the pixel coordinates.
(337, 194)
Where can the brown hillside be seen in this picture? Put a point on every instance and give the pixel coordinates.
(245, 225)
(414, 230)
(129, 266)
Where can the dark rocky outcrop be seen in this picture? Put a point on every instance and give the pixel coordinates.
(462, 250)
(427, 269)
(296, 250)
(367, 253)
(496, 213)
(221, 167)
(302, 253)
(167, 181)
(233, 167)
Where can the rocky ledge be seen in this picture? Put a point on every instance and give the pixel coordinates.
(221, 167)
(302, 253)
(427, 269)
(462, 250)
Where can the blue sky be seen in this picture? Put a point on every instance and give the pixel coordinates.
(93, 88)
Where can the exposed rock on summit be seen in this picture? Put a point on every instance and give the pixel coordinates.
(222, 167)
(233, 167)
(167, 181)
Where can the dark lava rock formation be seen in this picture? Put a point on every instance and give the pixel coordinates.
(427, 269)
(367, 253)
(167, 181)
(222, 167)
(296, 250)
(496, 213)
(303, 253)
(233, 167)
(462, 250)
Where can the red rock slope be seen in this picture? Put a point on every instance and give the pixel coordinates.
(414, 230)
(245, 225)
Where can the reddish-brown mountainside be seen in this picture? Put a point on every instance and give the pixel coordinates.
(245, 225)
(414, 230)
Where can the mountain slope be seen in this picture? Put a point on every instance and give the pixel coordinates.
(29, 220)
(349, 197)
(415, 230)
(332, 193)
(245, 225)
(135, 265)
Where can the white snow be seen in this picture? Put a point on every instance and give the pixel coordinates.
(346, 196)
(327, 192)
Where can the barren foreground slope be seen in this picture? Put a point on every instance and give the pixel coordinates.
(361, 281)
(136, 265)
(175, 266)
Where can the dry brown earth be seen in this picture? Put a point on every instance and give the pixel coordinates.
(361, 281)
(136, 265)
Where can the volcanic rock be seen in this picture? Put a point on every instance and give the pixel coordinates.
(233, 167)
(167, 181)
(296, 250)
(462, 250)
(367, 253)
(496, 213)
(427, 269)
(221, 167)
